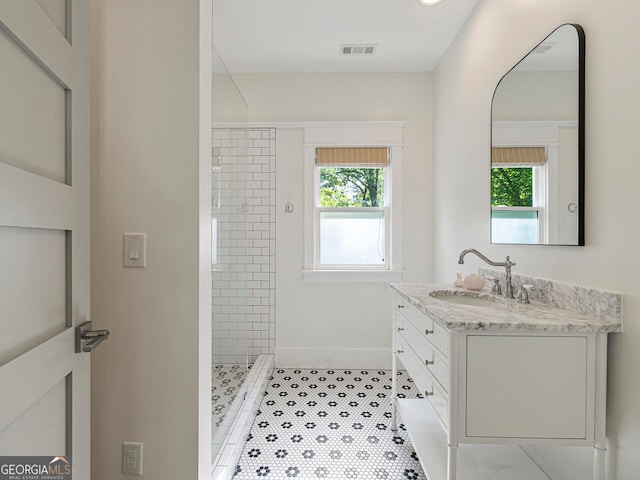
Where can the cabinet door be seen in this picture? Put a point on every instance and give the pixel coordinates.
(527, 386)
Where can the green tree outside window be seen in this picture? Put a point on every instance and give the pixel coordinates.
(351, 187)
(512, 187)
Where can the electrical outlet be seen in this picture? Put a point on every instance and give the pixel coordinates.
(132, 458)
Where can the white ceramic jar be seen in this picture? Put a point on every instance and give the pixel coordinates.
(473, 282)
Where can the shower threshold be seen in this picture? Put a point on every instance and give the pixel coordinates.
(228, 443)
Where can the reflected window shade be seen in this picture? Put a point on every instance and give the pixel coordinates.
(518, 156)
(359, 157)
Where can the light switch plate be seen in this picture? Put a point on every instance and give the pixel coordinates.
(134, 252)
(132, 458)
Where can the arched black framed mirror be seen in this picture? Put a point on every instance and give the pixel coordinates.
(537, 145)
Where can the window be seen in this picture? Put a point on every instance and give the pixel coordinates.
(518, 193)
(352, 222)
(351, 211)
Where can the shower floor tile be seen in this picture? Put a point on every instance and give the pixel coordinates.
(330, 424)
(226, 381)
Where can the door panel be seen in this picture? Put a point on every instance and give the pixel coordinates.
(36, 143)
(35, 261)
(47, 415)
(29, 376)
(44, 228)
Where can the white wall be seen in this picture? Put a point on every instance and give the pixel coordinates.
(341, 325)
(150, 129)
(228, 104)
(498, 34)
(537, 96)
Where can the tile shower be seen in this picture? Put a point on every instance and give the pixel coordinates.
(243, 279)
(243, 209)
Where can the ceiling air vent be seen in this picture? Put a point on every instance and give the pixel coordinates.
(358, 49)
(544, 47)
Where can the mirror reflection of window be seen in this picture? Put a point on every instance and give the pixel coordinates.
(518, 195)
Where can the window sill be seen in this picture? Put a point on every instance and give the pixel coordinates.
(352, 276)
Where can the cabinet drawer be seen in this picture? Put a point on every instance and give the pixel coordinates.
(424, 380)
(433, 360)
(433, 332)
(398, 319)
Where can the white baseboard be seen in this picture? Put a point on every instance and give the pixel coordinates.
(369, 358)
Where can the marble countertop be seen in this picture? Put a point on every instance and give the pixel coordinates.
(507, 315)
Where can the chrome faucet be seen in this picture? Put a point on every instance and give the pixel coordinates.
(507, 264)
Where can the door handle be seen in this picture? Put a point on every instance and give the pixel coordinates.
(87, 340)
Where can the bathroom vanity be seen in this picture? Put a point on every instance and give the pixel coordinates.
(492, 372)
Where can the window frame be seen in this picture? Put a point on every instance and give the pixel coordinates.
(387, 135)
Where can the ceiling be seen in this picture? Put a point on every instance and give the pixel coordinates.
(304, 36)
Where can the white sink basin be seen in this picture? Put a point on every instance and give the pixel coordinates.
(468, 298)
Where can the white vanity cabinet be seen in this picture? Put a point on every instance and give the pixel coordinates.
(486, 386)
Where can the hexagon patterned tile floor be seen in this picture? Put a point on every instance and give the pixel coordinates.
(226, 381)
(330, 424)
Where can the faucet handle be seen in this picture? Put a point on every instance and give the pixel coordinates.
(495, 288)
(523, 294)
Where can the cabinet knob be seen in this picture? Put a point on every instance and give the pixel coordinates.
(429, 362)
(400, 329)
(428, 332)
(428, 394)
(399, 351)
(400, 306)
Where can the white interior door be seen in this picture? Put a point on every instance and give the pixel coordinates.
(44, 229)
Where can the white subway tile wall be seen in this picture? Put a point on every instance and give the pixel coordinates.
(243, 227)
